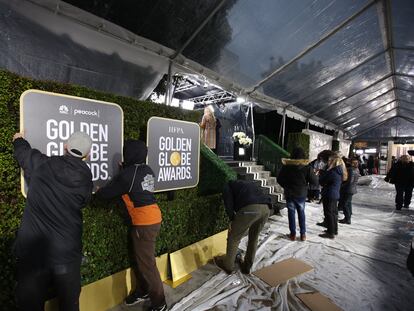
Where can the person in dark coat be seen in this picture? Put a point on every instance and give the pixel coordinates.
(295, 177)
(410, 259)
(48, 247)
(135, 184)
(371, 164)
(331, 181)
(248, 208)
(401, 175)
(348, 189)
(314, 190)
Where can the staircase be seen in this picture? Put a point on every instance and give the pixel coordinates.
(255, 172)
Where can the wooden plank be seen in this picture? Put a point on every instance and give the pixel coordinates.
(318, 302)
(282, 271)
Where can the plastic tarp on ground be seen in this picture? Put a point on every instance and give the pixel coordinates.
(363, 268)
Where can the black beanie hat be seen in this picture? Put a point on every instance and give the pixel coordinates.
(297, 153)
(135, 152)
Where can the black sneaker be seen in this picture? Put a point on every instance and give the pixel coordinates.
(326, 231)
(327, 236)
(218, 261)
(243, 267)
(134, 298)
(160, 308)
(344, 221)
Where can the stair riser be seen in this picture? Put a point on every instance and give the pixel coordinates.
(257, 173)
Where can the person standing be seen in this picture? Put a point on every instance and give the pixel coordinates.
(135, 184)
(348, 189)
(331, 181)
(314, 190)
(371, 164)
(208, 125)
(248, 209)
(295, 177)
(48, 246)
(401, 175)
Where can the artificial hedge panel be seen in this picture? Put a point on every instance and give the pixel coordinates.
(335, 145)
(270, 154)
(214, 173)
(299, 140)
(188, 218)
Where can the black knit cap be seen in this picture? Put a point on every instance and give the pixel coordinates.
(135, 152)
(297, 153)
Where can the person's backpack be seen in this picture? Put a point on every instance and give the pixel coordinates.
(410, 260)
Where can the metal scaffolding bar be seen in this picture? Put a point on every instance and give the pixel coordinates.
(213, 98)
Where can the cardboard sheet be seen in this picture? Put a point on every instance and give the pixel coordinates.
(318, 302)
(282, 271)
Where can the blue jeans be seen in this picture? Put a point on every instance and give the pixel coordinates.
(292, 206)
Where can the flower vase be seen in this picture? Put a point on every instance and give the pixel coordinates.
(241, 152)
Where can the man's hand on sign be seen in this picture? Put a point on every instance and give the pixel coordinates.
(18, 135)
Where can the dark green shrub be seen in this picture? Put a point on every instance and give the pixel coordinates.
(214, 173)
(299, 140)
(187, 219)
(335, 146)
(270, 154)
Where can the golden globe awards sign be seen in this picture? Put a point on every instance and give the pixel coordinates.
(48, 120)
(173, 153)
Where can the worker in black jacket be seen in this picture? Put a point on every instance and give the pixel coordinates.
(48, 246)
(135, 184)
(295, 177)
(248, 209)
(401, 175)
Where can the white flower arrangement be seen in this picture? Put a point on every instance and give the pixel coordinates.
(242, 138)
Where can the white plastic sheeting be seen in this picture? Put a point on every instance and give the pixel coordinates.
(362, 269)
(52, 40)
(344, 146)
(396, 127)
(318, 142)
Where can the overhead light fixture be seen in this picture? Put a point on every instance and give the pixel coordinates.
(353, 126)
(350, 120)
(240, 100)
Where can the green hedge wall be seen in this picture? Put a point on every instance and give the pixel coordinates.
(299, 140)
(335, 146)
(188, 218)
(270, 154)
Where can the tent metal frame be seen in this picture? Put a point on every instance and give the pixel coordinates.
(177, 60)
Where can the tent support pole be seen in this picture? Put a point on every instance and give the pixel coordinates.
(167, 100)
